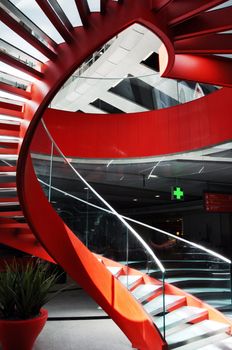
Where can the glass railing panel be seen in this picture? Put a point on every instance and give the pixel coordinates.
(190, 266)
(90, 93)
(91, 218)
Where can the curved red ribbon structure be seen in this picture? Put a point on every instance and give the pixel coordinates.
(152, 133)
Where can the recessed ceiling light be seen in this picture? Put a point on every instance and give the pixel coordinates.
(135, 199)
(157, 195)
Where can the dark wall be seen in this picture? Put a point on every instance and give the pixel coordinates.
(211, 229)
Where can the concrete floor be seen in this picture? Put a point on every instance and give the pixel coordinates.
(82, 335)
(94, 334)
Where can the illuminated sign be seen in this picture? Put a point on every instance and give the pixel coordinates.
(218, 202)
(177, 193)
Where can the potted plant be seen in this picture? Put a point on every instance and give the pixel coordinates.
(23, 291)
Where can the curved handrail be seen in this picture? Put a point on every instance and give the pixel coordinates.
(112, 210)
(193, 244)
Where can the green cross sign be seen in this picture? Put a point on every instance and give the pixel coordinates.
(177, 193)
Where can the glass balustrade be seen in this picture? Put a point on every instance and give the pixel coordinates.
(139, 247)
(190, 266)
(86, 91)
(93, 220)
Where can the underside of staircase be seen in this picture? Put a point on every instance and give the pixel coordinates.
(190, 34)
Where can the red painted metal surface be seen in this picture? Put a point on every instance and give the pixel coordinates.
(66, 249)
(10, 109)
(84, 11)
(207, 44)
(25, 34)
(55, 20)
(170, 130)
(14, 90)
(180, 11)
(84, 268)
(205, 23)
(13, 62)
(206, 69)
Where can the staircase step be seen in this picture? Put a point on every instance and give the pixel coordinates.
(114, 269)
(9, 120)
(182, 315)
(144, 291)
(222, 345)
(203, 329)
(12, 214)
(9, 139)
(129, 280)
(13, 225)
(7, 169)
(155, 306)
(9, 203)
(5, 112)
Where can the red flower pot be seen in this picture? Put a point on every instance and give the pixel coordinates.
(21, 334)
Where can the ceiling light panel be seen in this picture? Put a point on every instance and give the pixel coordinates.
(32, 10)
(70, 10)
(14, 39)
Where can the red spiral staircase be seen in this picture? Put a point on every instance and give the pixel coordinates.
(190, 34)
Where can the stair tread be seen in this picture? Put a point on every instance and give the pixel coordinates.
(224, 344)
(182, 315)
(200, 329)
(143, 291)
(155, 306)
(129, 279)
(114, 269)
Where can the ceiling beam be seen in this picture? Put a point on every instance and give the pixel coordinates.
(205, 23)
